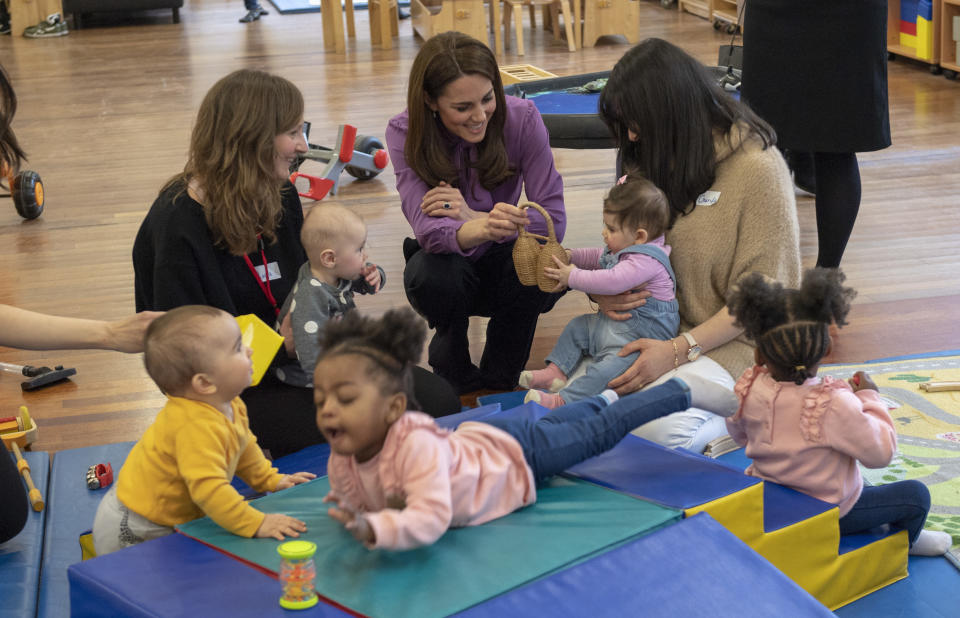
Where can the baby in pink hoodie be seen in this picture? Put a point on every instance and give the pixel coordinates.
(807, 432)
(399, 481)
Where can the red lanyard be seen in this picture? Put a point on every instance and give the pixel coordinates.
(264, 282)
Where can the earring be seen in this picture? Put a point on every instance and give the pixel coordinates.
(435, 114)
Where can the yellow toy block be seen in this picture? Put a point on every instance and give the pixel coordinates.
(263, 340)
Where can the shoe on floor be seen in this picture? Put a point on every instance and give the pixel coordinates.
(253, 15)
(52, 26)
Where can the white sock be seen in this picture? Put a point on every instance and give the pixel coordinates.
(708, 395)
(610, 395)
(931, 543)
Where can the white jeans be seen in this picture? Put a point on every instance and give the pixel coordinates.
(693, 428)
(115, 526)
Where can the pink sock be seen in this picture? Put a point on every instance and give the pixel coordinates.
(547, 400)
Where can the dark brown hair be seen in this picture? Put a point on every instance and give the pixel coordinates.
(638, 203)
(674, 105)
(232, 156)
(443, 59)
(11, 154)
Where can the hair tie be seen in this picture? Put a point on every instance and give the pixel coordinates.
(622, 179)
(800, 367)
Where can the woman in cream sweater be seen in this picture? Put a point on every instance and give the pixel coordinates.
(733, 212)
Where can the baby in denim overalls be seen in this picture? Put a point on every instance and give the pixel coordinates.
(635, 217)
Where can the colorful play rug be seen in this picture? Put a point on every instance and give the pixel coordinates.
(928, 430)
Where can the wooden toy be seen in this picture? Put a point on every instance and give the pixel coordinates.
(18, 432)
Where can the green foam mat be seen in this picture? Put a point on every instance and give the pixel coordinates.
(570, 521)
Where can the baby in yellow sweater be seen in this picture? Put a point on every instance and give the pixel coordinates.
(182, 466)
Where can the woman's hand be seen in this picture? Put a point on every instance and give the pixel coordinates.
(560, 274)
(656, 358)
(618, 307)
(127, 335)
(289, 480)
(446, 201)
(495, 226)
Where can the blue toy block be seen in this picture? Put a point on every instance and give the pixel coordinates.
(20, 556)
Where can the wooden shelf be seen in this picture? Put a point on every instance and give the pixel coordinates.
(700, 8)
(948, 47)
(893, 33)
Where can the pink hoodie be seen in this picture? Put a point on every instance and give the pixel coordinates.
(427, 479)
(810, 437)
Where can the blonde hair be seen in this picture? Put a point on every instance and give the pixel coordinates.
(233, 156)
(175, 347)
(324, 226)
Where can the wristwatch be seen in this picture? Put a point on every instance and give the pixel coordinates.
(695, 350)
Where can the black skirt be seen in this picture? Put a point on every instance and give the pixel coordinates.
(817, 71)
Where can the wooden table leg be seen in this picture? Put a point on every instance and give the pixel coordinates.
(497, 26)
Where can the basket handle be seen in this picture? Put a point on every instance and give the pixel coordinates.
(546, 216)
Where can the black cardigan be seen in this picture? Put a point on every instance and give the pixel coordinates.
(176, 263)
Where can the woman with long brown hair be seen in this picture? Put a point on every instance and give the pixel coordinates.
(732, 213)
(462, 151)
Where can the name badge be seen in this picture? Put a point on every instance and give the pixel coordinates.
(272, 268)
(708, 198)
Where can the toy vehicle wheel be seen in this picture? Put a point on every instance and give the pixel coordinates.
(366, 144)
(717, 24)
(27, 192)
(732, 28)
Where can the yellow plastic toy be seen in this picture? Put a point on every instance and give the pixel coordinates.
(16, 432)
(263, 340)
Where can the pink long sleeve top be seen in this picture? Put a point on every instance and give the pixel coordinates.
(810, 436)
(527, 143)
(427, 479)
(633, 270)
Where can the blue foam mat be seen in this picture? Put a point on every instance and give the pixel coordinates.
(506, 400)
(676, 478)
(177, 576)
(692, 568)
(20, 556)
(71, 509)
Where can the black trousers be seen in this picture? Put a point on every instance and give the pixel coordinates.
(284, 418)
(447, 289)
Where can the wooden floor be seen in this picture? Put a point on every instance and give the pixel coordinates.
(105, 114)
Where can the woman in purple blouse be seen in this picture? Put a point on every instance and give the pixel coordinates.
(461, 152)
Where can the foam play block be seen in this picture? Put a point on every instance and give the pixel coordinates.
(177, 576)
(571, 520)
(71, 507)
(311, 459)
(797, 533)
(507, 400)
(20, 556)
(692, 568)
(263, 340)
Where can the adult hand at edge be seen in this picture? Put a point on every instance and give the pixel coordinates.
(446, 201)
(656, 358)
(127, 335)
(617, 307)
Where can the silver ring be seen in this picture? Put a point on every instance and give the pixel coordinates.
(446, 205)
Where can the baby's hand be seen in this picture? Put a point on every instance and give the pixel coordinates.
(289, 480)
(352, 522)
(861, 381)
(371, 274)
(276, 525)
(560, 274)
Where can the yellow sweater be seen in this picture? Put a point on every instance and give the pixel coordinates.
(751, 227)
(182, 467)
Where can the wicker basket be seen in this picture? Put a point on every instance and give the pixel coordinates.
(530, 257)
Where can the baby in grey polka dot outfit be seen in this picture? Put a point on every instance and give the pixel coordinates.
(335, 240)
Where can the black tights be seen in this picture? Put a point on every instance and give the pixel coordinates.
(837, 186)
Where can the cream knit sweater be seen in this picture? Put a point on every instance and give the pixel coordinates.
(751, 227)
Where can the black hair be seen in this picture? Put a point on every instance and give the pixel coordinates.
(674, 105)
(791, 327)
(393, 344)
